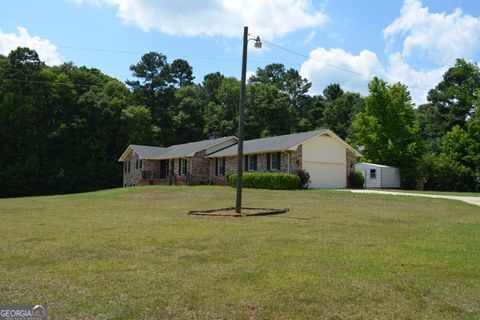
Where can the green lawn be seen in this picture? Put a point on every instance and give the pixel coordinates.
(440, 193)
(135, 254)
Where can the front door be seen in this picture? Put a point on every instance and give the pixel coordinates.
(163, 169)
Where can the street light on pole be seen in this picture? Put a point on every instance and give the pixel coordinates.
(241, 118)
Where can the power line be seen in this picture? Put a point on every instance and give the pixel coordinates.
(365, 77)
(168, 55)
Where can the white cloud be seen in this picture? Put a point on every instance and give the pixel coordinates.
(441, 37)
(419, 82)
(330, 66)
(353, 72)
(308, 39)
(45, 49)
(267, 18)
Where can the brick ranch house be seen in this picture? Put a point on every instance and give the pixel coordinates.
(326, 157)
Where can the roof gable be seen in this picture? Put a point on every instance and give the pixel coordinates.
(280, 143)
(175, 151)
(143, 152)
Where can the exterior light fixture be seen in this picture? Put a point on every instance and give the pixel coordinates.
(258, 43)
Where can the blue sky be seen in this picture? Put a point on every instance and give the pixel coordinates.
(343, 41)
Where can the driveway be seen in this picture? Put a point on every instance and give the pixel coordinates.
(471, 200)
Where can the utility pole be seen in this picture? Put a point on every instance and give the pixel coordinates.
(241, 119)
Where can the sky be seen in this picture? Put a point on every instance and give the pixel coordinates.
(328, 41)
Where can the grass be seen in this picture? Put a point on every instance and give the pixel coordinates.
(135, 254)
(440, 193)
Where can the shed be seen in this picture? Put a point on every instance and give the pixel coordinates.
(379, 176)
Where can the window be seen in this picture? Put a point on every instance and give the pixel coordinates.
(125, 168)
(373, 173)
(182, 167)
(219, 166)
(167, 168)
(251, 163)
(128, 166)
(273, 161)
(141, 164)
(136, 164)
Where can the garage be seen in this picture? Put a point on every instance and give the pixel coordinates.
(326, 175)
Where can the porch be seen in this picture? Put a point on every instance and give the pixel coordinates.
(151, 177)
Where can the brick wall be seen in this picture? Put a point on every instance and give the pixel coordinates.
(350, 161)
(296, 159)
(132, 177)
(200, 168)
(291, 160)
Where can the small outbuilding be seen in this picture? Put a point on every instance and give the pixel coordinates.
(379, 176)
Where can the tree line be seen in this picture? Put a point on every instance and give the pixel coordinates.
(62, 128)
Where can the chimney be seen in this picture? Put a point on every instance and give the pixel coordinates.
(214, 135)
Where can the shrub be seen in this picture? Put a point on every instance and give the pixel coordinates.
(258, 180)
(446, 174)
(356, 180)
(304, 178)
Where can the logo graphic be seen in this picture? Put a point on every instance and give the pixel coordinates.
(23, 312)
(39, 311)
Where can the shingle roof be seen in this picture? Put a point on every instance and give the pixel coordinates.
(182, 150)
(271, 144)
(373, 165)
(147, 152)
(175, 151)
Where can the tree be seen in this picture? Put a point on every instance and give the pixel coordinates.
(340, 111)
(61, 128)
(450, 103)
(288, 82)
(181, 73)
(187, 114)
(267, 112)
(211, 85)
(156, 90)
(221, 112)
(332, 92)
(388, 129)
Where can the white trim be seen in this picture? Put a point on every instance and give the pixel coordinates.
(126, 153)
(332, 135)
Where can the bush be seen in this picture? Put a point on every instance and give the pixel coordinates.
(304, 178)
(258, 180)
(356, 180)
(446, 174)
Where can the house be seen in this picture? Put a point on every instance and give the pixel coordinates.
(178, 164)
(326, 157)
(379, 176)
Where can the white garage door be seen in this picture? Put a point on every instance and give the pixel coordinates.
(326, 175)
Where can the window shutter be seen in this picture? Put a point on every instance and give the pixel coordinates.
(255, 163)
(246, 163)
(128, 166)
(279, 157)
(223, 166)
(268, 161)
